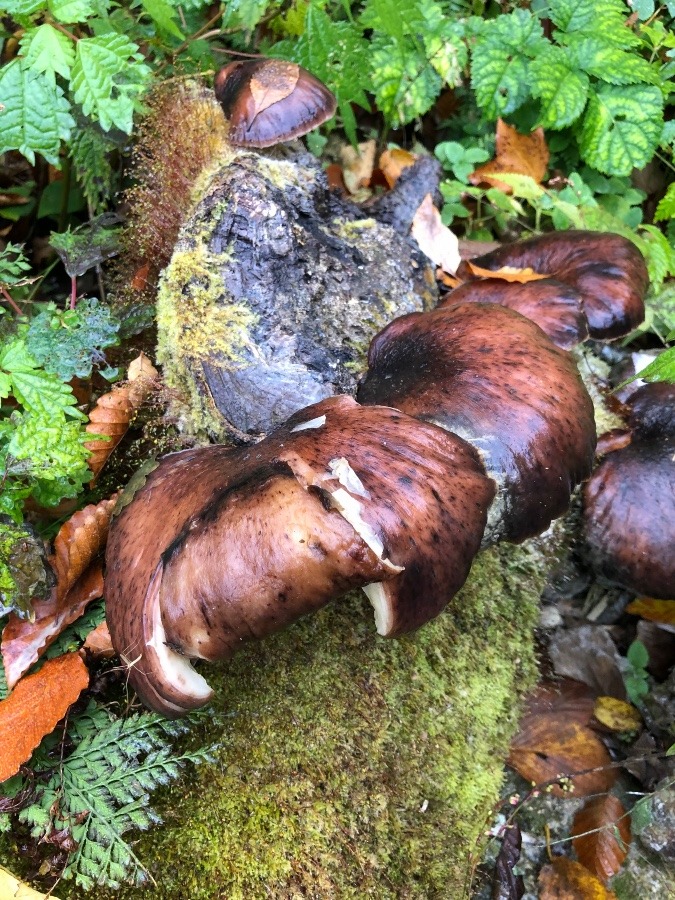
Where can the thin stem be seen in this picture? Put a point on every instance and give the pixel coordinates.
(73, 291)
(8, 297)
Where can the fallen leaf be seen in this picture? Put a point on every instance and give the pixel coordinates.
(79, 542)
(515, 153)
(393, 162)
(139, 280)
(336, 182)
(661, 611)
(13, 889)
(35, 706)
(99, 642)
(588, 653)
(601, 835)
(617, 715)
(506, 884)
(273, 83)
(507, 273)
(554, 740)
(23, 642)
(113, 412)
(565, 879)
(449, 281)
(434, 239)
(358, 164)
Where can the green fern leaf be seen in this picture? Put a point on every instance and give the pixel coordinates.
(107, 76)
(659, 254)
(500, 64)
(561, 89)
(35, 115)
(68, 11)
(621, 128)
(666, 207)
(90, 152)
(48, 51)
(610, 63)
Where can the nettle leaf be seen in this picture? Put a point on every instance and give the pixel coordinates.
(71, 10)
(662, 369)
(164, 16)
(610, 63)
(89, 151)
(338, 54)
(446, 52)
(107, 76)
(666, 207)
(48, 51)
(560, 88)
(35, 115)
(404, 83)
(22, 7)
(38, 391)
(621, 128)
(55, 450)
(500, 62)
(606, 18)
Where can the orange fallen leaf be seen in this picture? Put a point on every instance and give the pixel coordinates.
(601, 835)
(79, 541)
(139, 280)
(554, 740)
(272, 84)
(507, 273)
(515, 153)
(35, 706)
(617, 715)
(99, 642)
(450, 281)
(393, 162)
(661, 611)
(565, 879)
(358, 165)
(113, 412)
(434, 238)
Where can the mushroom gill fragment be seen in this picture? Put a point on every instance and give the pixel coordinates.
(629, 502)
(491, 376)
(607, 270)
(339, 497)
(554, 306)
(268, 101)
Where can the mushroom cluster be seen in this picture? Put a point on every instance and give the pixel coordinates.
(471, 426)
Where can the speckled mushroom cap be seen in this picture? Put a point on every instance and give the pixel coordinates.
(223, 546)
(491, 376)
(268, 101)
(629, 502)
(607, 269)
(554, 306)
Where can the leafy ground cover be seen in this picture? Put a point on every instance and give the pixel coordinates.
(544, 115)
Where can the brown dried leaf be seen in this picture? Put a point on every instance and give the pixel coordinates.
(601, 835)
(113, 412)
(99, 642)
(79, 541)
(516, 154)
(435, 240)
(661, 611)
(393, 162)
(273, 83)
(617, 715)
(565, 879)
(35, 706)
(554, 740)
(358, 165)
(507, 273)
(23, 642)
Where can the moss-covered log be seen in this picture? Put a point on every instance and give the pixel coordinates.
(352, 766)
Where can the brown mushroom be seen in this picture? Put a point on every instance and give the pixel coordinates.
(629, 502)
(607, 270)
(339, 497)
(268, 101)
(492, 377)
(554, 306)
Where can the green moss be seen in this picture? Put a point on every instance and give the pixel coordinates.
(352, 766)
(195, 322)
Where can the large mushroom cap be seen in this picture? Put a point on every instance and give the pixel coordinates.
(268, 101)
(223, 546)
(629, 502)
(491, 376)
(554, 306)
(607, 270)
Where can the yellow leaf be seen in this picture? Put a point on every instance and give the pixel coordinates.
(515, 153)
(617, 715)
(507, 273)
(13, 889)
(661, 611)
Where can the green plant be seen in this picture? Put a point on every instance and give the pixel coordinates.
(636, 677)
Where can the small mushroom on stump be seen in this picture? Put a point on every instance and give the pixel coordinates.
(268, 101)
(629, 502)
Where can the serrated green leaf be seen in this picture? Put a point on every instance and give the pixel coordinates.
(107, 76)
(164, 16)
(666, 207)
(35, 115)
(22, 7)
(501, 59)
(48, 51)
(610, 63)
(561, 89)
(13, 265)
(40, 393)
(621, 128)
(405, 85)
(592, 17)
(69, 11)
